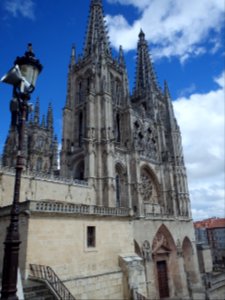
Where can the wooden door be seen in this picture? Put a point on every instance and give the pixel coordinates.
(162, 279)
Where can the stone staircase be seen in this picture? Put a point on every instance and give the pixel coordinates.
(37, 290)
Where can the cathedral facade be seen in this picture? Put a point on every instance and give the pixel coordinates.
(117, 222)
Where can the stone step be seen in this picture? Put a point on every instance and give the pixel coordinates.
(34, 290)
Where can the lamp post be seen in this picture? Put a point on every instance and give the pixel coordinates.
(22, 77)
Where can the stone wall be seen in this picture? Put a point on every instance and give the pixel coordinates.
(60, 242)
(204, 258)
(101, 286)
(38, 187)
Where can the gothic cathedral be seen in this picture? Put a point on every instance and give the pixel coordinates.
(116, 223)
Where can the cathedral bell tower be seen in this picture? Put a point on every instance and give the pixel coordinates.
(97, 94)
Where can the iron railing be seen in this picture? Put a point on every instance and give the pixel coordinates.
(46, 274)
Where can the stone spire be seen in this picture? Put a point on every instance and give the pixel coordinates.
(167, 97)
(73, 56)
(50, 118)
(145, 74)
(96, 41)
(121, 59)
(37, 111)
(166, 90)
(69, 76)
(43, 121)
(55, 155)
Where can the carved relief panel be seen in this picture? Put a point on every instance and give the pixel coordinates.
(145, 140)
(148, 188)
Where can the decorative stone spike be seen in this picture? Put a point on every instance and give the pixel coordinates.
(37, 111)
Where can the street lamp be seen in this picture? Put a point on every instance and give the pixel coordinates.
(22, 77)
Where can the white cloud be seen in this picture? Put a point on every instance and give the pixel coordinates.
(187, 91)
(176, 28)
(141, 4)
(201, 118)
(24, 8)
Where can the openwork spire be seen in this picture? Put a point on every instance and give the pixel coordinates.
(166, 90)
(50, 117)
(73, 56)
(167, 96)
(43, 121)
(145, 74)
(121, 58)
(96, 41)
(37, 111)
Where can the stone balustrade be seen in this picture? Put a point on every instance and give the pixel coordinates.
(44, 176)
(68, 208)
(83, 209)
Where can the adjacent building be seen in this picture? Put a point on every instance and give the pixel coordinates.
(212, 232)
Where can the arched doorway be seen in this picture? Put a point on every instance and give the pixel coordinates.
(166, 266)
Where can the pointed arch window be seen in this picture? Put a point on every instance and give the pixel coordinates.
(88, 84)
(112, 88)
(80, 137)
(118, 133)
(121, 186)
(79, 171)
(80, 92)
(149, 189)
(118, 191)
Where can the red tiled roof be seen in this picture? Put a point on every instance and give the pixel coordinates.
(210, 223)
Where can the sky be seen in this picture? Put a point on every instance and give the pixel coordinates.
(186, 42)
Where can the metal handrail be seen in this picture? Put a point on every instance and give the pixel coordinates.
(47, 274)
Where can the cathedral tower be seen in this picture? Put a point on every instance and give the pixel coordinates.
(127, 147)
(40, 145)
(94, 112)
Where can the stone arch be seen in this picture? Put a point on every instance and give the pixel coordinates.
(165, 262)
(137, 248)
(189, 265)
(150, 188)
(88, 75)
(121, 184)
(79, 168)
(164, 238)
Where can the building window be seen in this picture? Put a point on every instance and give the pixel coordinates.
(117, 191)
(118, 128)
(80, 92)
(80, 129)
(91, 236)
